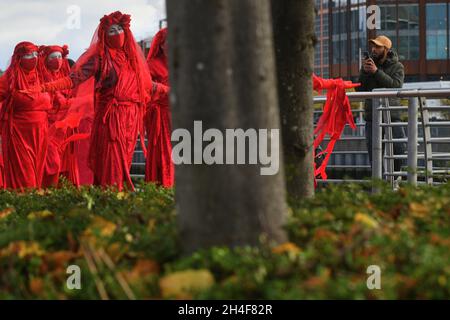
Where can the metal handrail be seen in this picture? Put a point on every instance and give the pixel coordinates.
(412, 139)
(394, 93)
(377, 162)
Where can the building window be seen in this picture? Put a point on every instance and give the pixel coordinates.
(437, 45)
(408, 25)
(343, 31)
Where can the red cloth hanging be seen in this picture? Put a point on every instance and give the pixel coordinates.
(336, 114)
(159, 167)
(24, 122)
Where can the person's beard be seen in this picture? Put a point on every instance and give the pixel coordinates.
(377, 57)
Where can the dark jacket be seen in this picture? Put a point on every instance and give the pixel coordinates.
(390, 74)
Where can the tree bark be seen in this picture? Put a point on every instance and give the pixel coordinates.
(222, 72)
(293, 25)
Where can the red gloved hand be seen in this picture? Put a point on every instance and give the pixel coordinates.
(60, 84)
(30, 92)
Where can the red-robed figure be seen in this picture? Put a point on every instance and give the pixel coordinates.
(24, 120)
(122, 87)
(159, 167)
(53, 65)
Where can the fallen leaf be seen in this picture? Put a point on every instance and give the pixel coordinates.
(142, 268)
(6, 212)
(366, 220)
(287, 247)
(418, 210)
(22, 249)
(36, 286)
(40, 215)
(181, 285)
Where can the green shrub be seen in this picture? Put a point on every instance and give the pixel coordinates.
(127, 246)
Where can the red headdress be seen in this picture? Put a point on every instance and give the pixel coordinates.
(19, 79)
(133, 52)
(44, 73)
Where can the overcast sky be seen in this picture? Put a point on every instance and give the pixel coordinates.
(55, 22)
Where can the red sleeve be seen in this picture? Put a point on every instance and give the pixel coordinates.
(3, 88)
(85, 71)
(57, 85)
(160, 93)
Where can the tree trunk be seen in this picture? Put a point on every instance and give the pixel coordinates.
(222, 72)
(293, 25)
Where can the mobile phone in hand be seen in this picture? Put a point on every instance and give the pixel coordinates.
(366, 55)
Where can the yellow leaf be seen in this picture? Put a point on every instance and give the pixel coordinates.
(122, 195)
(418, 210)
(98, 231)
(22, 249)
(366, 220)
(151, 225)
(286, 247)
(106, 228)
(181, 285)
(40, 214)
(6, 212)
(442, 280)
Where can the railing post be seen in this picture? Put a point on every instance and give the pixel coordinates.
(377, 159)
(412, 140)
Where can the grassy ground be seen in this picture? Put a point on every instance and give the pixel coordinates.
(127, 246)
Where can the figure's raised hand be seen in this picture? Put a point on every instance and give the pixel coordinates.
(31, 92)
(349, 85)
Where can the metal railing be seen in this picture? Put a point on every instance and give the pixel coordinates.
(418, 115)
(418, 134)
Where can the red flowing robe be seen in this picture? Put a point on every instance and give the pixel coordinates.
(159, 167)
(24, 132)
(1, 156)
(116, 121)
(116, 126)
(122, 87)
(59, 160)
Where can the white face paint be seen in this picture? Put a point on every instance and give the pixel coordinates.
(115, 29)
(32, 55)
(54, 55)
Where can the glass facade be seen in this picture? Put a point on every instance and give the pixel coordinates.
(436, 26)
(419, 31)
(408, 32)
(321, 56)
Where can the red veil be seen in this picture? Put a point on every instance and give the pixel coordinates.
(157, 60)
(44, 73)
(159, 167)
(86, 84)
(90, 73)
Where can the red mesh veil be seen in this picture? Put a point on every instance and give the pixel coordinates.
(156, 58)
(17, 79)
(44, 73)
(82, 107)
